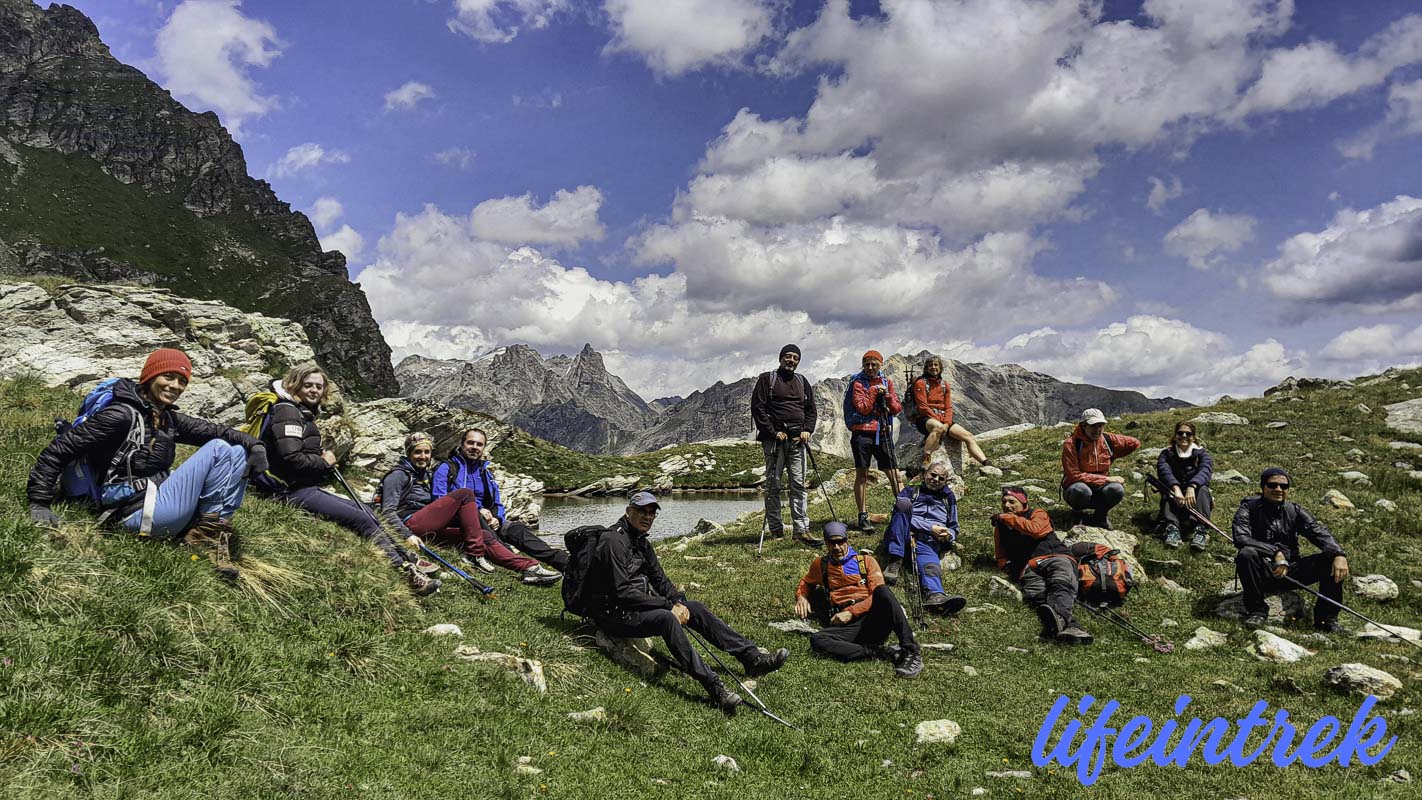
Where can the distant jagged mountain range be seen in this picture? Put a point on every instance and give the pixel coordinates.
(576, 402)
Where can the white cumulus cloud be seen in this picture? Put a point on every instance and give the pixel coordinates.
(1369, 260)
(304, 157)
(566, 219)
(1403, 118)
(500, 21)
(204, 53)
(1203, 238)
(324, 214)
(409, 95)
(457, 157)
(677, 36)
(1162, 191)
(325, 211)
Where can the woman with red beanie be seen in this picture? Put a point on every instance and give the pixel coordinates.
(129, 446)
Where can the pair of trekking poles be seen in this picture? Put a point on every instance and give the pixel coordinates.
(779, 469)
(484, 589)
(1161, 489)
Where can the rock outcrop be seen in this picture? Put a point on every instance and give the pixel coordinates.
(78, 335)
(104, 177)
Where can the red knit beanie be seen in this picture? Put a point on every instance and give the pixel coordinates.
(165, 359)
(873, 354)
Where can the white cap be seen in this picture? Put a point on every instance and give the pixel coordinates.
(1092, 416)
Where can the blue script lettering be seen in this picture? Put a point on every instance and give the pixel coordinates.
(1088, 748)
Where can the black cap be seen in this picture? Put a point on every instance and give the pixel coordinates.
(789, 348)
(1274, 472)
(836, 532)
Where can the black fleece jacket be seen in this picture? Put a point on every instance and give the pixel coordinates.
(1272, 527)
(293, 444)
(104, 435)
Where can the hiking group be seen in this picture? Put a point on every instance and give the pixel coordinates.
(117, 456)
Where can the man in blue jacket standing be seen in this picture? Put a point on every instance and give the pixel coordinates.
(466, 468)
(928, 514)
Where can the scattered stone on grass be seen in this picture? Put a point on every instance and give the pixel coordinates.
(1371, 631)
(598, 714)
(523, 765)
(984, 607)
(1356, 478)
(1000, 587)
(1276, 425)
(1400, 776)
(1231, 476)
(1224, 684)
(942, 647)
(1269, 647)
(969, 671)
(1205, 639)
(1405, 446)
(727, 763)
(1220, 418)
(795, 626)
(1355, 455)
(991, 471)
(1362, 679)
(635, 655)
(1017, 650)
(1171, 586)
(1386, 505)
(938, 731)
(530, 671)
(1375, 587)
(444, 629)
(1164, 564)
(978, 791)
(1337, 499)
(1142, 660)
(1282, 606)
(1019, 774)
(1167, 622)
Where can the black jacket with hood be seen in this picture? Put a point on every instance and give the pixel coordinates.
(293, 445)
(405, 490)
(103, 441)
(1273, 527)
(626, 575)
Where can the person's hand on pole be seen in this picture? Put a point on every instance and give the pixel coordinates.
(941, 532)
(682, 613)
(802, 607)
(780, 436)
(413, 542)
(1190, 497)
(804, 437)
(842, 618)
(329, 457)
(1281, 565)
(1176, 496)
(1340, 568)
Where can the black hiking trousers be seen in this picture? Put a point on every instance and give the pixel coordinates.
(857, 639)
(517, 534)
(661, 622)
(1258, 579)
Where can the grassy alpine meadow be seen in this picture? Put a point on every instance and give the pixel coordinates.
(127, 669)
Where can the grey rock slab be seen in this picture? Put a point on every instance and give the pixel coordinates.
(1276, 425)
(1277, 649)
(938, 731)
(1375, 587)
(1000, 587)
(1231, 476)
(1206, 639)
(1405, 416)
(1220, 418)
(1337, 499)
(1362, 679)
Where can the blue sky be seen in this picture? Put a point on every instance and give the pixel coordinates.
(1191, 197)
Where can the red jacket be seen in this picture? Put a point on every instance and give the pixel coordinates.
(864, 402)
(1020, 538)
(1085, 461)
(844, 588)
(934, 400)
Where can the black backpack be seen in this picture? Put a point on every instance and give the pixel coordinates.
(581, 543)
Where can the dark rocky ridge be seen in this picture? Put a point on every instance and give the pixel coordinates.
(596, 412)
(105, 177)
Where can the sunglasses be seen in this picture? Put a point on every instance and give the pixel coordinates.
(1186, 434)
(1273, 485)
(936, 478)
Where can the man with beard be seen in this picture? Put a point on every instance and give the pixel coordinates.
(783, 408)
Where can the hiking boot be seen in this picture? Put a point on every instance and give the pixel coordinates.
(945, 604)
(1255, 621)
(910, 663)
(1172, 537)
(539, 575)
(1073, 634)
(765, 663)
(210, 537)
(427, 567)
(891, 571)
(722, 698)
(888, 652)
(1102, 521)
(1328, 626)
(478, 562)
(864, 522)
(421, 584)
(1199, 541)
(804, 537)
(1052, 623)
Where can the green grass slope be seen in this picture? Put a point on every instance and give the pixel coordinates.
(129, 670)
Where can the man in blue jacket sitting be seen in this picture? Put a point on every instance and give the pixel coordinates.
(926, 518)
(466, 468)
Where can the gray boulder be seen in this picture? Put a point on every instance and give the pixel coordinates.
(1375, 587)
(1405, 416)
(1220, 418)
(1362, 679)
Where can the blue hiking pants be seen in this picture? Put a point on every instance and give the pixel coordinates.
(927, 549)
(212, 481)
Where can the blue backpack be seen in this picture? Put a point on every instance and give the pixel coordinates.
(78, 481)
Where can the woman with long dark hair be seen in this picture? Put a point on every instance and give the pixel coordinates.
(1185, 467)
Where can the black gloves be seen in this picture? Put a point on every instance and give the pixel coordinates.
(256, 460)
(43, 517)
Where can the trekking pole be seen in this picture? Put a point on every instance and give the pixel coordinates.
(914, 595)
(765, 517)
(1157, 642)
(820, 480)
(759, 704)
(483, 588)
(1160, 488)
(341, 479)
(1296, 583)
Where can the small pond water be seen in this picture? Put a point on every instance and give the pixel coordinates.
(678, 514)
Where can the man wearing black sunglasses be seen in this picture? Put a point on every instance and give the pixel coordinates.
(1266, 531)
(928, 515)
